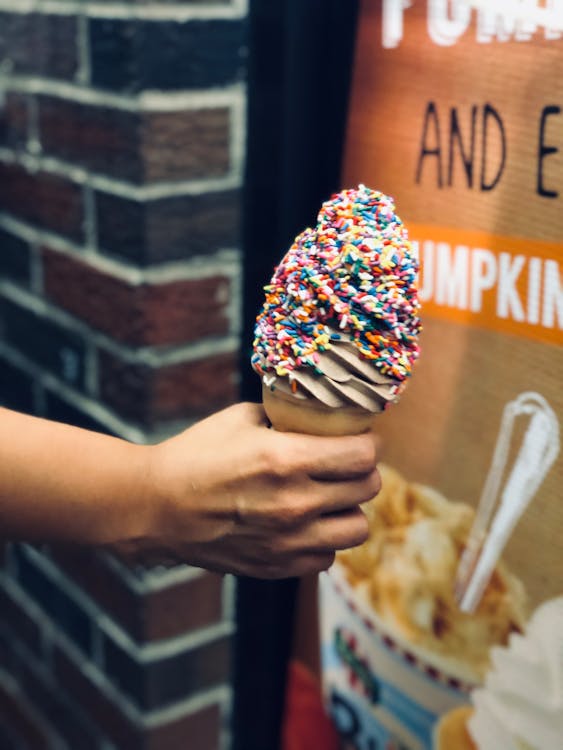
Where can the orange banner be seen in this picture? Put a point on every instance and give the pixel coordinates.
(506, 284)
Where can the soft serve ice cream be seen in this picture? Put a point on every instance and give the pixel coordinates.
(521, 704)
(340, 323)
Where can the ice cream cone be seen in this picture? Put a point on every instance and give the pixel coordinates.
(310, 417)
(451, 731)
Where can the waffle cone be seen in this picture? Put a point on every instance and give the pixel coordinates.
(309, 417)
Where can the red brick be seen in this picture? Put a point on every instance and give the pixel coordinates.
(149, 395)
(49, 201)
(182, 608)
(13, 121)
(185, 145)
(186, 310)
(172, 611)
(147, 314)
(136, 146)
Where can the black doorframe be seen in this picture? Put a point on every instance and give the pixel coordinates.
(300, 62)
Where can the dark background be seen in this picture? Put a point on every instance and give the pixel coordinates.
(299, 71)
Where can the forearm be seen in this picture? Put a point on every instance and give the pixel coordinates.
(227, 494)
(59, 482)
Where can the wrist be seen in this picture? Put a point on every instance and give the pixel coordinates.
(130, 517)
(155, 494)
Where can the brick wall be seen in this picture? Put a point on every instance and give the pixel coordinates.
(121, 158)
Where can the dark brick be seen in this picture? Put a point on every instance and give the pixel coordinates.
(101, 709)
(16, 388)
(43, 199)
(56, 603)
(16, 718)
(167, 229)
(102, 139)
(13, 120)
(70, 721)
(8, 659)
(44, 342)
(14, 258)
(197, 731)
(148, 314)
(150, 395)
(103, 584)
(137, 55)
(22, 625)
(136, 146)
(33, 43)
(9, 740)
(164, 681)
(4, 546)
(60, 411)
(166, 613)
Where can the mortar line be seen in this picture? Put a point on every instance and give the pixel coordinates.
(146, 101)
(123, 11)
(142, 193)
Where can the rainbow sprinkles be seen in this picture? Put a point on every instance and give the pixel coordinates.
(354, 275)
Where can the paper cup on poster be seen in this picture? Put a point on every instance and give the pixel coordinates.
(380, 689)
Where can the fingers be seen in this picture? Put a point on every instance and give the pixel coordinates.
(338, 458)
(332, 497)
(328, 533)
(312, 563)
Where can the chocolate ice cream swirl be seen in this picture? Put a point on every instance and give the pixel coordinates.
(341, 379)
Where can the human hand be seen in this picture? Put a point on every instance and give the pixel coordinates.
(231, 495)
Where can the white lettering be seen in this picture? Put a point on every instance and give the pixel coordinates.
(523, 289)
(483, 276)
(392, 29)
(452, 275)
(443, 29)
(506, 19)
(552, 295)
(496, 20)
(553, 29)
(508, 300)
(534, 281)
(426, 289)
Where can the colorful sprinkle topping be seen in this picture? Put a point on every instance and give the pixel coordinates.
(356, 273)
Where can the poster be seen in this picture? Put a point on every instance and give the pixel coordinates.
(429, 638)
